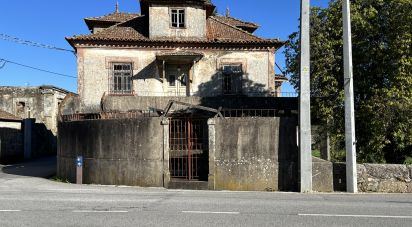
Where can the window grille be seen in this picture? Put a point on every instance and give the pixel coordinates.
(178, 18)
(121, 78)
(232, 79)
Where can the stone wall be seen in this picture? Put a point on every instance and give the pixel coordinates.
(382, 178)
(115, 152)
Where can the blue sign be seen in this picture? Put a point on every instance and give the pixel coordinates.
(79, 161)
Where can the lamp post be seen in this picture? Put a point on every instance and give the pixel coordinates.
(350, 141)
(305, 138)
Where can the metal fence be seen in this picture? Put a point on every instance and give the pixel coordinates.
(109, 115)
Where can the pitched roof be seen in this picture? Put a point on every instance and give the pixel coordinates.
(110, 19)
(8, 116)
(245, 25)
(114, 17)
(136, 30)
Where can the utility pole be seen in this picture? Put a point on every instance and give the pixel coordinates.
(305, 138)
(351, 171)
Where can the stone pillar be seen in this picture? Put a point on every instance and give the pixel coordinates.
(166, 171)
(27, 127)
(212, 150)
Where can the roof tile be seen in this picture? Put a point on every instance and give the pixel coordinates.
(136, 29)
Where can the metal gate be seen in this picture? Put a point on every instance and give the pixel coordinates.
(188, 143)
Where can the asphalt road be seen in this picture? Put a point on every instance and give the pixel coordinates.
(33, 201)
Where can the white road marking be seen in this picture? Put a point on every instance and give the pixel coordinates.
(209, 212)
(100, 211)
(357, 216)
(10, 210)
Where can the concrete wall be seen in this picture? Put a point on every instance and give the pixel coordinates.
(254, 154)
(94, 72)
(160, 22)
(382, 178)
(11, 141)
(322, 175)
(116, 152)
(27, 137)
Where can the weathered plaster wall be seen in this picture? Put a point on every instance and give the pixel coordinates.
(160, 24)
(94, 72)
(383, 178)
(116, 152)
(41, 104)
(255, 154)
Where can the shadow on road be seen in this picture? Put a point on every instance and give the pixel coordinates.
(42, 167)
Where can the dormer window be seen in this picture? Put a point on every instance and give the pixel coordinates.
(178, 18)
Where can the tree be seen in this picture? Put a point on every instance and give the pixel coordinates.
(382, 61)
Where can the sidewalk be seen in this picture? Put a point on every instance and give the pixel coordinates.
(42, 167)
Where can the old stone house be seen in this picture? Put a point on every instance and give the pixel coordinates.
(37, 109)
(36, 102)
(178, 97)
(173, 48)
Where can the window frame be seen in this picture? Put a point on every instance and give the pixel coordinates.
(121, 84)
(178, 15)
(232, 83)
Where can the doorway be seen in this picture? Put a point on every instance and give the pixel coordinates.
(177, 80)
(188, 147)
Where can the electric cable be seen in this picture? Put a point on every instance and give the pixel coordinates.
(34, 68)
(31, 43)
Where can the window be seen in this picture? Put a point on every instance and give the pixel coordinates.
(121, 80)
(21, 109)
(178, 18)
(172, 80)
(232, 79)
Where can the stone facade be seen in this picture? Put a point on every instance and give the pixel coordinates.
(94, 73)
(40, 103)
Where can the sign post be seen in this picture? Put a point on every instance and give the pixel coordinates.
(79, 170)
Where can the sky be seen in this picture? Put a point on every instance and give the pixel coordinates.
(50, 21)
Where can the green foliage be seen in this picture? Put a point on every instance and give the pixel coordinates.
(316, 153)
(382, 60)
(408, 161)
(60, 180)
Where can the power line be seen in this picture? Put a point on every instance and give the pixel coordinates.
(31, 43)
(31, 67)
(2, 64)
